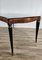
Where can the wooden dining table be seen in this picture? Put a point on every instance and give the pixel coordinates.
(11, 21)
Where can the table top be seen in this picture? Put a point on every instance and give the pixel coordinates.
(20, 19)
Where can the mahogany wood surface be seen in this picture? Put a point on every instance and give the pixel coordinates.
(20, 20)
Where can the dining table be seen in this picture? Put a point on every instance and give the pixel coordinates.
(20, 20)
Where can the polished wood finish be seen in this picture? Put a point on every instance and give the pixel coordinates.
(19, 20)
(37, 29)
(4, 19)
(11, 37)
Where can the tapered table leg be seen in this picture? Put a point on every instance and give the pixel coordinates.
(11, 36)
(37, 29)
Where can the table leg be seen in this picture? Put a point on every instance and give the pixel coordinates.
(11, 37)
(37, 29)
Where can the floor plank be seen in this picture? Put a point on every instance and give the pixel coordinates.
(25, 47)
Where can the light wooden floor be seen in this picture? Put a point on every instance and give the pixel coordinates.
(25, 47)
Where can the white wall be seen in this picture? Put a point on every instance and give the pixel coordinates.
(20, 8)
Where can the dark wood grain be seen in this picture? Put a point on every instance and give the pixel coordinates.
(4, 19)
(20, 20)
